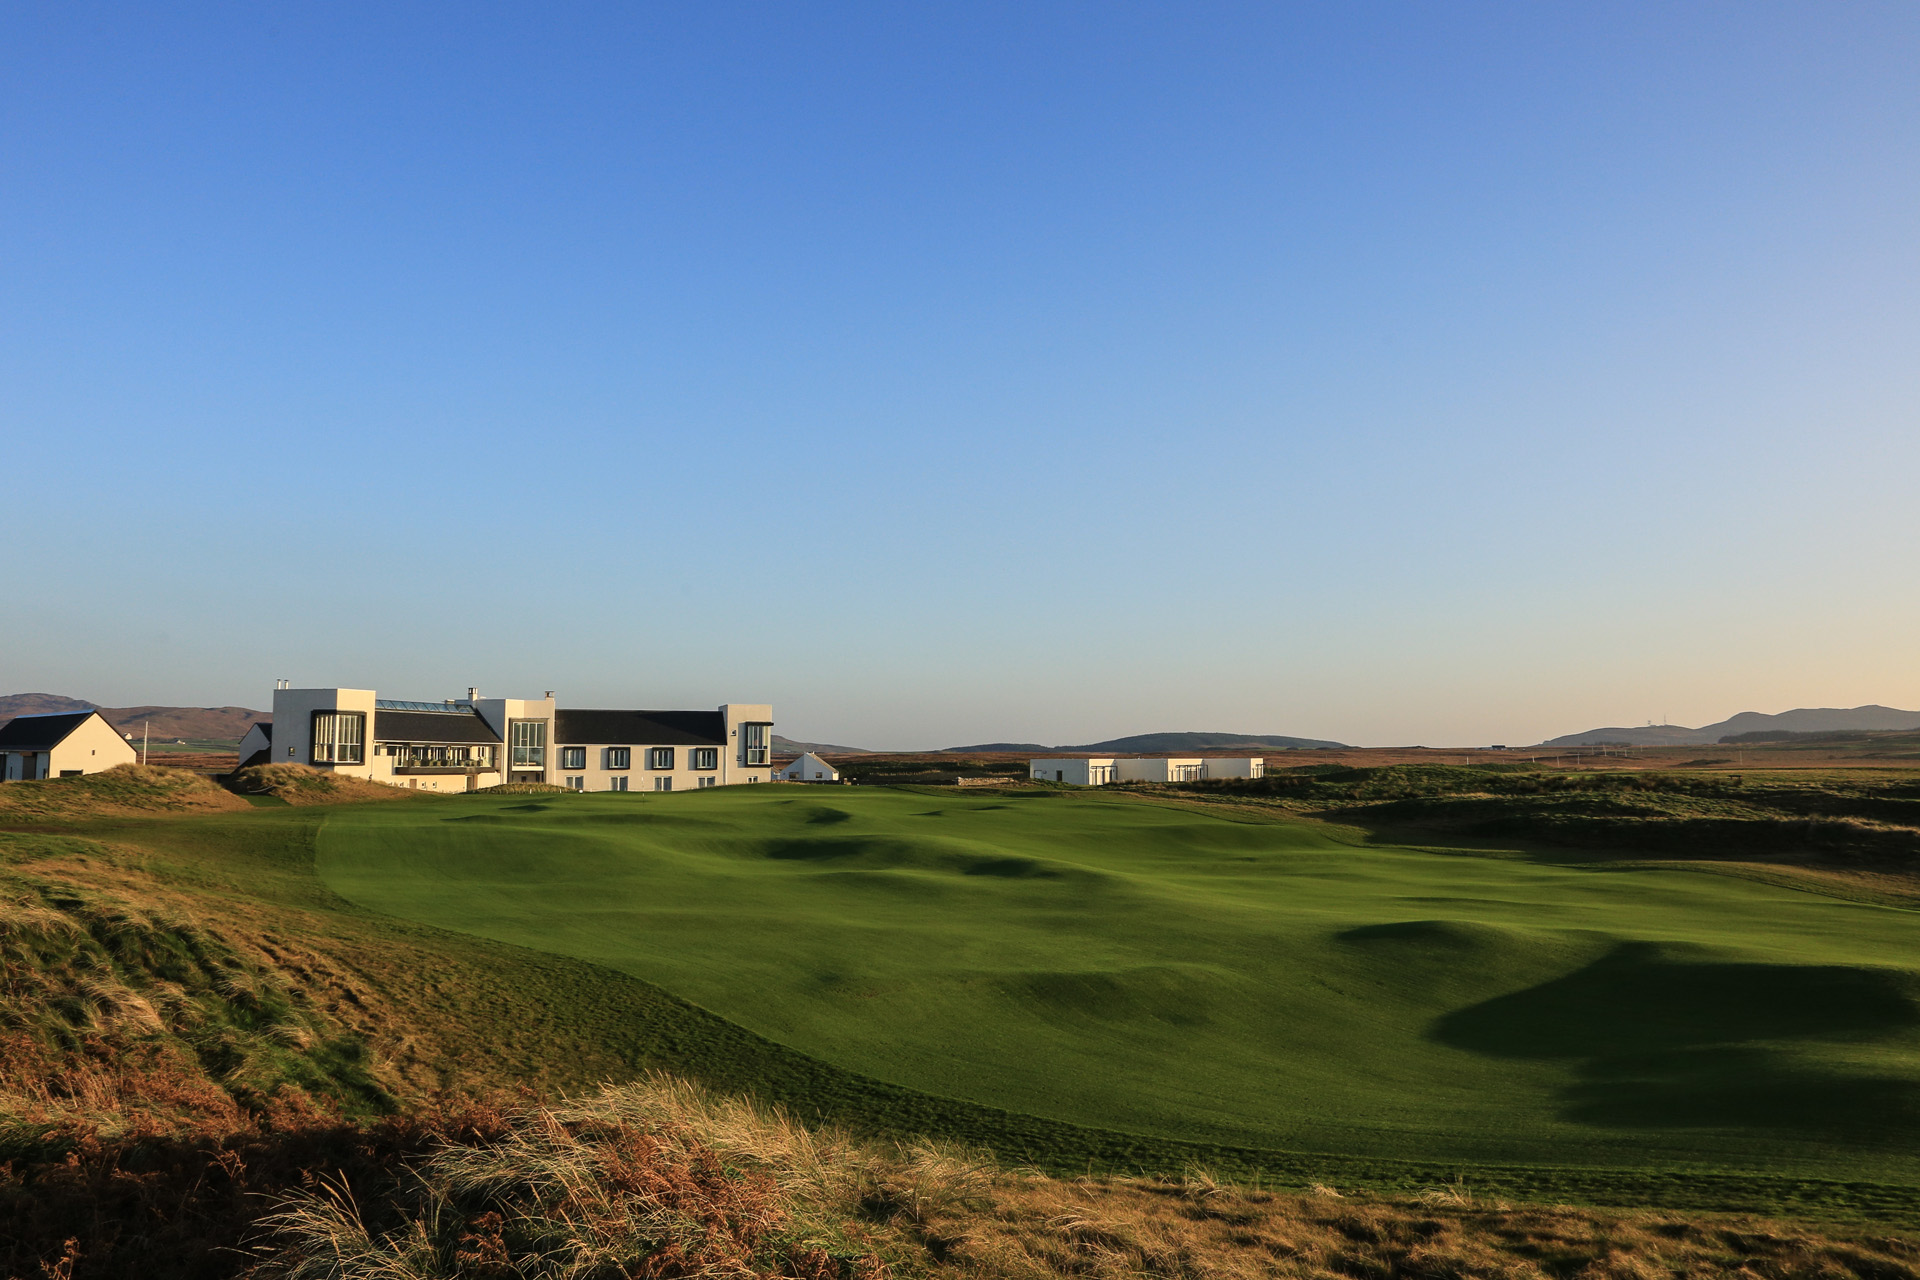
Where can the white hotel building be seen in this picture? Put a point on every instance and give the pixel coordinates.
(468, 743)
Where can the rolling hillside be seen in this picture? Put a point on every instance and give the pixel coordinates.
(1148, 742)
(1800, 720)
(209, 725)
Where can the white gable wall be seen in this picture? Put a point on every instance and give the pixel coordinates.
(93, 746)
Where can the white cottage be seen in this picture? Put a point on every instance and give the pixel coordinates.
(64, 744)
(808, 768)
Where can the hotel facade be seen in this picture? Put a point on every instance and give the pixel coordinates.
(467, 743)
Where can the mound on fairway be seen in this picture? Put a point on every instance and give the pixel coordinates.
(1121, 964)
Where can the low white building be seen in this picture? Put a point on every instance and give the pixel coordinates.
(1235, 767)
(808, 768)
(62, 744)
(473, 742)
(1084, 771)
(1165, 769)
(1097, 771)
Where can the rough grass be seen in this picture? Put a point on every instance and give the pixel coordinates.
(1832, 817)
(121, 1015)
(658, 1179)
(303, 784)
(123, 789)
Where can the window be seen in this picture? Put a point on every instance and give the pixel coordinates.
(709, 781)
(754, 739)
(659, 758)
(529, 739)
(339, 737)
(704, 758)
(577, 782)
(617, 784)
(573, 757)
(663, 784)
(619, 757)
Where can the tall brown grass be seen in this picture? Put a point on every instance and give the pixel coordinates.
(123, 789)
(661, 1180)
(303, 784)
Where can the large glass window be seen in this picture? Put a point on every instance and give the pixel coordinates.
(339, 737)
(573, 757)
(619, 757)
(529, 740)
(617, 784)
(754, 740)
(660, 757)
(704, 758)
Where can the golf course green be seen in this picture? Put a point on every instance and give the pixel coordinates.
(1113, 962)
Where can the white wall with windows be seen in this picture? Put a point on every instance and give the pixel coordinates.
(329, 728)
(637, 767)
(1084, 771)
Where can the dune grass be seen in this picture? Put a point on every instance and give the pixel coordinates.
(126, 788)
(1105, 962)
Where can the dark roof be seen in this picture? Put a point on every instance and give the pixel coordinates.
(641, 728)
(264, 726)
(431, 726)
(41, 732)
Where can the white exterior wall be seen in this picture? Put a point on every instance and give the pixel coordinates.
(1236, 767)
(1170, 769)
(809, 768)
(500, 714)
(599, 774)
(92, 746)
(293, 728)
(734, 765)
(1085, 771)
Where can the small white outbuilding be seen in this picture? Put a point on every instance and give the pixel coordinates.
(808, 768)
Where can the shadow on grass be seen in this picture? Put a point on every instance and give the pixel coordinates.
(1664, 1039)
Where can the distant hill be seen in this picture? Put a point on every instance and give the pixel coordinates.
(200, 724)
(1204, 742)
(1800, 720)
(788, 746)
(997, 746)
(1144, 742)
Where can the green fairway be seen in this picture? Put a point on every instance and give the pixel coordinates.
(1112, 962)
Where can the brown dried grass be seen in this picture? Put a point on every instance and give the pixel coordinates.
(123, 789)
(302, 784)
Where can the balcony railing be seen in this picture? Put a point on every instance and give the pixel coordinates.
(455, 759)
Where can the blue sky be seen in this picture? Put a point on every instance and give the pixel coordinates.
(1441, 373)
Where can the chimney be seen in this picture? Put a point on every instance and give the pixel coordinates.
(473, 695)
(549, 695)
